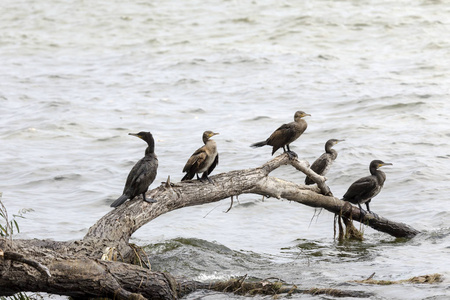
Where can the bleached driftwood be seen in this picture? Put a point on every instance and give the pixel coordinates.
(76, 269)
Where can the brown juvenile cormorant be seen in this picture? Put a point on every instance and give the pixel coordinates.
(324, 162)
(142, 174)
(364, 189)
(286, 134)
(204, 159)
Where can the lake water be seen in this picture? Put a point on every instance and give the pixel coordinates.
(78, 76)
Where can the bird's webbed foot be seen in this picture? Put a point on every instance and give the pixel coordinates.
(368, 209)
(149, 200)
(207, 178)
(374, 214)
(292, 155)
(362, 213)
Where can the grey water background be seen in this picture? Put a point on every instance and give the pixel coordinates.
(77, 76)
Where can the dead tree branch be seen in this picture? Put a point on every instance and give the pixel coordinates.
(77, 269)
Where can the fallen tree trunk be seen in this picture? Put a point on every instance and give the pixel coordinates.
(83, 277)
(76, 268)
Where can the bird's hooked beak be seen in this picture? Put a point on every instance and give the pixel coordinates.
(384, 164)
(338, 141)
(135, 134)
(213, 134)
(305, 114)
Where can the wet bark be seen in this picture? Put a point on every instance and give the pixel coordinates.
(79, 276)
(76, 268)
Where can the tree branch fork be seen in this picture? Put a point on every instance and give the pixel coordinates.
(76, 269)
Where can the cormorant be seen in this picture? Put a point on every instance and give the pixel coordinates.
(286, 134)
(364, 189)
(324, 162)
(204, 159)
(142, 174)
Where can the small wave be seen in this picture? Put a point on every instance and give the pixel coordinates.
(187, 81)
(405, 105)
(194, 111)
(109, 138)
(67, 177)
(257, 118)
(243, 20)
(327, 57)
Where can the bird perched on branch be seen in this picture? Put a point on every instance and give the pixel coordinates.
(324, 162)
(364, 189)
(204, 159)
(142, 174)
(286, 134)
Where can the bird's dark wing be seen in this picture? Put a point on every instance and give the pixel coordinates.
(214, 164)
(280, 137)
(281, 134)
(320, 164)
(134, 173)
(195, 160)
(141, 176)
(360, 188)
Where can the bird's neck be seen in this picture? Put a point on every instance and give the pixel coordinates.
(207, 140)
(151, 147)
(381, 177)
(300, 123)
(332, 152)
(211, 144)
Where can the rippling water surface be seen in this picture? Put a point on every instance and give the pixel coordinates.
(78, 76)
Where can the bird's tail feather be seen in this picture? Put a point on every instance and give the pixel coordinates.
(119, 200)
(188, 176)
(309, 181)
(259, 144)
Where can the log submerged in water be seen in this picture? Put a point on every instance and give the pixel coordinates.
(76, 267)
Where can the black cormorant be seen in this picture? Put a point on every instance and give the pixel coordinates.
(324, 162)
(204, 159)
(142, 174)
(364, 189)
(286, 134)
